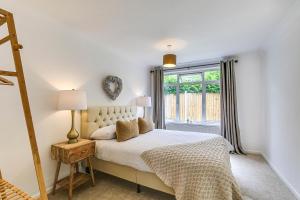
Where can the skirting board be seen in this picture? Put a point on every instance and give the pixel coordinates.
(48, 190)
(253, 152)
(50, 187)
(290, 187)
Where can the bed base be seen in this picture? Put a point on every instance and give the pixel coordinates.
(138, 177)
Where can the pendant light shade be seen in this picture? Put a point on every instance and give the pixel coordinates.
(169, 60)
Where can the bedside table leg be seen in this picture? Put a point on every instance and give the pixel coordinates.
(56, 176)
(77, 167)
(71, 181)
(91, 170)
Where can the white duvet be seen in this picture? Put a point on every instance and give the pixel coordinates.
(129, 152)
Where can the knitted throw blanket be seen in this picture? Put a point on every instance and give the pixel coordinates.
(198, 171)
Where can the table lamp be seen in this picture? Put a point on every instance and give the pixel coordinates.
(144, 102)
(72, 100)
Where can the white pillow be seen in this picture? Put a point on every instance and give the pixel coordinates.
(105, 133)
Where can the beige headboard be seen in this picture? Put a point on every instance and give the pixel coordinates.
(97, 117)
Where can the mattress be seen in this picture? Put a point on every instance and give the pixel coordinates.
(129, 152)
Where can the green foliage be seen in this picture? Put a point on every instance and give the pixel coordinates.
(212, 75)
(192, 87)
(213, 88)
(169, 90)
(170, 79)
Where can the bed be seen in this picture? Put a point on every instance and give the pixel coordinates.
(96, 117)
(124, 159)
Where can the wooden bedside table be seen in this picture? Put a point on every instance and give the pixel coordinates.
(72, 154)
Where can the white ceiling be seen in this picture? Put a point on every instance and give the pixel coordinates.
(140, 29)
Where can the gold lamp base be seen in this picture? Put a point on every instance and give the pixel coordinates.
(73, 133)
(73, 136)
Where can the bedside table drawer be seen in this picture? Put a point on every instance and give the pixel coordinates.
(71, 153)
(79, 153)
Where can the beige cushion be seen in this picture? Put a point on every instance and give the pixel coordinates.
(145, 125)
(105, 133)
(127, 130)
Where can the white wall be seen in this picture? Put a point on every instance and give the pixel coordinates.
(282, 99)
(54, 58)
(249, 100)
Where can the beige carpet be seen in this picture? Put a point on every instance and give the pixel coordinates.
(255, 177)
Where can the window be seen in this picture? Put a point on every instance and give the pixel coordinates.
(193, 97)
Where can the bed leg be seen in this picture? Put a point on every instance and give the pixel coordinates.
(138, 188)
(87, 170)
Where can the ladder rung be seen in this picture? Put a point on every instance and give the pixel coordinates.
(8, 73)
(3, 40)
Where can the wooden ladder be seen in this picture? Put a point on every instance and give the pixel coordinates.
(6, 18)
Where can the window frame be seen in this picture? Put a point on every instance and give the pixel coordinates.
(202, 82)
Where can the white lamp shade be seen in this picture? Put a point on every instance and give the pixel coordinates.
(144, 101)
(72, 100)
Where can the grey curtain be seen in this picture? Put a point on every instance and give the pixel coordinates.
(157, 83)
(229, 114)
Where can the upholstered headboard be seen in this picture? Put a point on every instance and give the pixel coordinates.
(98, 117)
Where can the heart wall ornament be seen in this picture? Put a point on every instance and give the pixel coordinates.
(113, 86)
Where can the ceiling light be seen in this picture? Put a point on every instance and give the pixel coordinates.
(169, 60)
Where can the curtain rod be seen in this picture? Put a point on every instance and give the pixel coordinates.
(192, 66)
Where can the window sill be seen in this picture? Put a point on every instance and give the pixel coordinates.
(193, 123)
